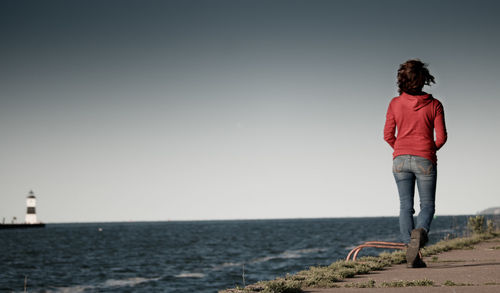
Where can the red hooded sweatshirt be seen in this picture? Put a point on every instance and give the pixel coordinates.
(416, 118)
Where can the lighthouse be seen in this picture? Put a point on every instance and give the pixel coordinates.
(31, 211)
(30, 220)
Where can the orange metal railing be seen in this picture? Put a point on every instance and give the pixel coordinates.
(375, 244)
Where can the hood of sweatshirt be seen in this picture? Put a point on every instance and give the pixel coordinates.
(416, 101)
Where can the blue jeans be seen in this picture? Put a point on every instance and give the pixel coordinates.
(407, 170)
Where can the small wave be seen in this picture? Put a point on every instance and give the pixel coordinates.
(442, 231)
(263, 259)
(232, 264)
(130, 282)
(298, 253)
(287, 254)
(126, 282)
(310, 250)
(227, 265)
(72, 289)
(190, 275)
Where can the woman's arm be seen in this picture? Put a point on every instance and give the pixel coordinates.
(390, 127)
(440, 127)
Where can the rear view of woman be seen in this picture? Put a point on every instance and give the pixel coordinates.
(415, 115)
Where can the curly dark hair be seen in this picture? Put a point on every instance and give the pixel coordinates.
(412, 76)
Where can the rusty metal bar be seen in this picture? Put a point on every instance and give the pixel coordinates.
(376, 244)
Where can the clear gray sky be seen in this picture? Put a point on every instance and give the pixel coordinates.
(156, 110)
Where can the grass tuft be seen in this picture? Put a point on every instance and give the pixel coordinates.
(282, 286)
(368, 284)
(492, 283)
(451, 283)
(404, 283)
(457, 243)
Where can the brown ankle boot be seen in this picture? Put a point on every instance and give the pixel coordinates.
(418, 263)
(418, 240)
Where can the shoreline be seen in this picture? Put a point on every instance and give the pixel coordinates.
(345, 276)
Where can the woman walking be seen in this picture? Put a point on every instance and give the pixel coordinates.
(415, 115)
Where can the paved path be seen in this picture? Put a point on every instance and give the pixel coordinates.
(472, 270)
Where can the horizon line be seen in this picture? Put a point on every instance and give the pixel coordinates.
(238, 219)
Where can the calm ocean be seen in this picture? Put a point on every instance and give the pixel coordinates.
(198, 256)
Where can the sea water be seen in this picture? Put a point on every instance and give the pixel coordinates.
(198, 256)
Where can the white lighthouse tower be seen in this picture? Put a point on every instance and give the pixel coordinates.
(31, 212)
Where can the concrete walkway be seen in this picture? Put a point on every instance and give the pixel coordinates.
(472, 270)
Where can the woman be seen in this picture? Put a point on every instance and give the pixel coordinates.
(416, 115)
